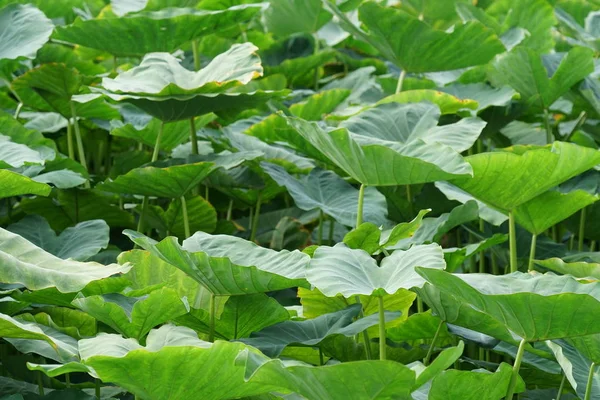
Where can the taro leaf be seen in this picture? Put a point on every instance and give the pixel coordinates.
(341, 270)
(171, 359)
(580, 269)
(146, 32)
(202, 216)
(74, 323)
(418, 327)
(54, 370)
(485, 95)
(171, 182)
(507, 179)
(24, 30)
(546, 210)
(30, 337)
(27, 264)
(134, 317)
(272, 340)
(12, 128)
(14, 184)
(381, 165)
(392, 123)
(328, 192)
(241, 316)
(165, 89)
(79, 242)
(576, 367)
(473, 385)
(445, 359)
(455, 257)
(447, 103)
(15, 155)
(228, 265)
(368, 380)
(532, 307)
(286, 17)
(524, 70)
(415, 46)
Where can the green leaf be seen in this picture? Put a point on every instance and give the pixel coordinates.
(146, 32)
(241, 316)
(417, 327)
(341, 270)
(170, 364)
(15, 155)
(134, 317)
(576, 367)
(576, 269)
(79, 242)
(227, 265)
(381, 165)
(524, 70)
(532, 307)
(14, 184)
(54, 370)
(447, 103)
(362, 379)
(24, 29)
(272, 340)
(486, 96)
(171, 182)
(507, 179)
(328, 192)
(27, 264)
(444, 360)
(286, 17)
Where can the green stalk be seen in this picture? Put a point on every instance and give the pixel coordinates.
(382, 337)
(365, 333)
(515, 373)
(590, 381)
(97, 389)
(321, 360)
(593, 246)
(481, 229)
(80, 149)
(331, 230)
(512, 242)
(316, 69)
(256, 217)
(40, 383)
(581, 230)
(197, 61)
(145, 202)
(561, 387)
(432, 345)
(532, 252)
(193, 136)
(580, 121)
(400, 81)
(186, 221)
(70, 147)
(320, 240)
(211, 323)
(18, 110)
(359, 211)
(229, 210)
(68, 380)
(549, 134)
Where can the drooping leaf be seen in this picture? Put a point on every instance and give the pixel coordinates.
(29, 265)
(580, 269)
(341, 270)
(24, 29)
(447, 103)
(14, 184)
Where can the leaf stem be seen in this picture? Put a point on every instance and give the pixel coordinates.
(580, 121)
(515, 373)
(331, 230)
(581, 229)
(229, 210)
(532, 252)
(186, 221)
(320, 234)
(40, 383)
(97, 389)
(316, 51)
(382, 337)
(512, 242)
(68, 380)
(196, 53)
(359, 211)
(400, 81)
(590, 381)
(549, 134)
(432, 345)
(70, 147)
(80, 149)
(193, 136)
(256, 217)
(561, 387)
(18, 110)
(365, 333)
(155, 153)
(211, 323)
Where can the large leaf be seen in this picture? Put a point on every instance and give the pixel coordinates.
(133, 317)
(447, 103)
(227, 265)
(576, 367)
(507, 179)
(146, 32)
(341, 270)
(168, 366)
(15, 155)
(382, 165)
(415, 46)
(331, 194)
(532, 307)
(79, 242)
(14, 184)
(540, 86)
(286, 17)
(171, 182)
(24, 29)
(272, 340)
(361, 380)
(581, 269)
(26, 264)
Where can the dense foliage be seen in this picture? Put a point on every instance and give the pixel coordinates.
(299, 199)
